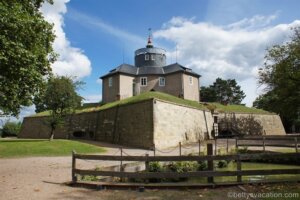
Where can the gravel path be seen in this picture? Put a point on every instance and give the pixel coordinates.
(45, 177)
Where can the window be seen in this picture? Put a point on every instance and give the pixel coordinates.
(162, 81)
(191, 80)
(110, 82)
(146, 56)
(143, 81)
(152, 57)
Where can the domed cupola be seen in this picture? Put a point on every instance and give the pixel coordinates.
(150, 56)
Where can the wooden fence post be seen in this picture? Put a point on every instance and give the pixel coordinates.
(74, 178)
(264, 144)
(239, 168)
(236, 144)
(216, 146)
(199, 145)
(179, 148)
(147, 163)
(210, 163)
(154, 150)
(296, 144)
(227, 146)
(121, 161)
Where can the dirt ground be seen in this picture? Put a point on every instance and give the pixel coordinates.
(45, 178)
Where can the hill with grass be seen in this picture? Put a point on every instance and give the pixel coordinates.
(234, 109)
(169, 98)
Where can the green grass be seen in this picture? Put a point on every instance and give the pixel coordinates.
(170, 98)
(135, 99)
(29, 148)
(238, 109)
(252, 166)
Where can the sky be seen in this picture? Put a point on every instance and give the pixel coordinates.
(216, 38)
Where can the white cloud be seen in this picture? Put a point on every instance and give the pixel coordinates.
(72, 61)
(92, 98)
(233, 51)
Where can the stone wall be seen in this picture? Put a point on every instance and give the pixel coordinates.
(271, 123)
(141, 124)
(129, 125)
(176, 123)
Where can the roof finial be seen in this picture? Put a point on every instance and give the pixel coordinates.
(149, 43)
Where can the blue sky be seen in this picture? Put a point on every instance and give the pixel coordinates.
(216, 38)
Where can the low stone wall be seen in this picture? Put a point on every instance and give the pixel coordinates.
(271, 123)
(176, 123)
(130, 125)
(37, 128)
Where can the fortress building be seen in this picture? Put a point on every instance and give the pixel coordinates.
(150, 73)
(150, 119)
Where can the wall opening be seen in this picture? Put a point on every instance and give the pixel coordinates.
(79, 134)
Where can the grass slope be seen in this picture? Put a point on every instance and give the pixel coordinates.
(28, 148)
(166, 97)
(238, 109)
(135, 99)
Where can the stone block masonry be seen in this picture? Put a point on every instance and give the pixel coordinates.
(141, 124)
(130, 125)
(176, 123)
(271, 123)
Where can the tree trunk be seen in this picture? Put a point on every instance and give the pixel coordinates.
(51, 134)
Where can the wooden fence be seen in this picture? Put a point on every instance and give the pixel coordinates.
(210, 173)
(272, 141)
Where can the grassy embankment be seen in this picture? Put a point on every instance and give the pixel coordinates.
(28, 148)
(169, 98)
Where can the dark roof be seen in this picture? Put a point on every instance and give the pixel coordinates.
(176, 67)
(136, 71)
(123, 68)
(150, 70)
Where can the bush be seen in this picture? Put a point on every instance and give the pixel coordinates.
(155, 167)
(183, 166)
(11, 129)
(180, 167)
(202, 166)
(222, 164)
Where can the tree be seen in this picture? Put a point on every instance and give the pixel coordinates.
(25, 53)
(11, 129)
(223, 91)
(281, 75)
(61, 99)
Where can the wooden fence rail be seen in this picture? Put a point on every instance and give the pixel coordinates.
(272, 141)
(210, 173)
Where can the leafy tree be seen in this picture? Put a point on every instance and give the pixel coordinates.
(11, 129)
(25, 53)
(281, 75)
(61, 99)
(223, 91)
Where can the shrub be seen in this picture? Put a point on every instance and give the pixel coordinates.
(11, 129)
(222, 164)
(155, 167)
(202, 166)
